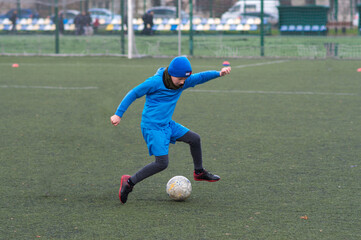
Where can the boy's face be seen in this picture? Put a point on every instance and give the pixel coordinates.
(178, 81)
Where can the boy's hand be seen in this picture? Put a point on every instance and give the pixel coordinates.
(115, 120)
(225, 71)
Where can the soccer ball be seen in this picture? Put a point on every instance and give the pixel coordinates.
(179, 188)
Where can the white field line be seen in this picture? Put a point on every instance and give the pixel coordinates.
(260, 64)
(127, 65)
(76, 64)
(48, 87)
(274, 92)
(271, 92)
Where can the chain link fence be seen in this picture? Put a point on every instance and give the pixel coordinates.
(206, 28)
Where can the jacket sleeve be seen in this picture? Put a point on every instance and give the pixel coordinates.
(199, 78)
(137, 92)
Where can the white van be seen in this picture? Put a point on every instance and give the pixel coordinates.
(252, 6)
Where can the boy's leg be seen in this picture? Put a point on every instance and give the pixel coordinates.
(160, 163)
(158, 144)
(194, 141)
(127, 182)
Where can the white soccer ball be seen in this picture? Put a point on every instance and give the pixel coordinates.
(179, 188)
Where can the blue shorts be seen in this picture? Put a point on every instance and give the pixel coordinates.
(158, 139)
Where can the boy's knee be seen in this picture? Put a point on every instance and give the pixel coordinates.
(196, 139)
(162, 162)
(162, 165)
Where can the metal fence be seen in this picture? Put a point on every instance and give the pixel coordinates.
(206, 28)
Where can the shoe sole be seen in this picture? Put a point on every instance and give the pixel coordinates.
(200, 180)
(124, 178)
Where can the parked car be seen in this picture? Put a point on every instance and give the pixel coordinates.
(249, 6)
(270, 18)
(167, 12)
(102, 14)
(24, 13)
(69, 14)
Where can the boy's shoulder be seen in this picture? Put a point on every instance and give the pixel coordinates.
(156, 81)
(160, 72)
(158, 76)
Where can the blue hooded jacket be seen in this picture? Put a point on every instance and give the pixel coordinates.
(160, 101)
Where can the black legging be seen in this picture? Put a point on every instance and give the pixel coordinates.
(161, 162)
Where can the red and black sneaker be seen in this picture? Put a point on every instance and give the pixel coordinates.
(124, 189)
(206, 176)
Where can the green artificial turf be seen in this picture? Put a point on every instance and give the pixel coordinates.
(284, 135)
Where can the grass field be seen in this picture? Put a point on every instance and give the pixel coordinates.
(217, 45)
(284, 135)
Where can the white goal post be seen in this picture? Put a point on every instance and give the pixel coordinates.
(132, 49)
(130, 29)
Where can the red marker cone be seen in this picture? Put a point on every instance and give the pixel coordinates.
(226, 64)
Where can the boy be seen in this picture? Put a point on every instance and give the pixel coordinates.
(162, 92)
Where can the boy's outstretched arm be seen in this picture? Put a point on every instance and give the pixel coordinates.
(202, 77)
(224, 71)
